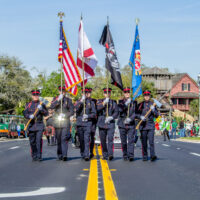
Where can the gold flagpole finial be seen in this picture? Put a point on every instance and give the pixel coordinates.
(61, 15)
(137, 20)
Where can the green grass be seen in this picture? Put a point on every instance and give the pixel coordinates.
(191, 138)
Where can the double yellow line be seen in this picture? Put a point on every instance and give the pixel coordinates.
(109, 187)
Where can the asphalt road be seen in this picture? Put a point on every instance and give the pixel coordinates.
(175, 175)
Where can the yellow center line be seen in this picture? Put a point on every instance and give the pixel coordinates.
(109, 187)
(92, 188)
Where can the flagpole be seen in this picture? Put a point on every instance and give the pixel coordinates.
(107, 73)
(137, 22)
(83, 66)
(61, 15)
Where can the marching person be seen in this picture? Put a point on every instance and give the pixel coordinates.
(63, 110)
(36, 126)
(94, 125)
(107, 113)
(126, 124)
(147, 128)
(84, 120)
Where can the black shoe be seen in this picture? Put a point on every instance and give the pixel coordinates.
(40, 159)
(153, 158)
(110, 157)
(91, 156)
(87, 158)
(104, 158)
(131, 159)
(125, 158)
(34, 159)
(145, 158)
(59, 158)
(64, 158)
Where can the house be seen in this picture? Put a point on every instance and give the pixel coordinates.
(183, 88)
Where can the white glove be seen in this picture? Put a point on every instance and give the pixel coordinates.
(143, 118)
(62, 115)
(128, 101)
(83, 98)
(127, 120)
(60, 97)
(106, 101)
(108, 119)
(85, 117)
(152, 107)
(39, 107)
(31, 116)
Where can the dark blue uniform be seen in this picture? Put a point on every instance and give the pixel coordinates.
(127, 129)
(147, 127)
(35, 128)
(84, 128)
(62, 127)
(93, 131)
(106, 129)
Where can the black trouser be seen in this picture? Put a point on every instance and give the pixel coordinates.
(166, 133)
(84, 133)
(62, 136)
(107, 149)
(35, 138)
(124, 133)
(92, 140)
(147, 135)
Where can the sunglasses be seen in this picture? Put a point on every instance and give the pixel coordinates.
(126, 91)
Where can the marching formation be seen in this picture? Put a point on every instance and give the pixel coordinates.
(104, 114)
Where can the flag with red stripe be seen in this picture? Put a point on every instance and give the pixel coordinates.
(71, 73)
(85, 51)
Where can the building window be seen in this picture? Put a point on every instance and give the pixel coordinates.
(182, 101)
(185, 87)
(174, 101)
(188, 86)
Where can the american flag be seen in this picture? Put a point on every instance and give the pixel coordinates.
(71, 73)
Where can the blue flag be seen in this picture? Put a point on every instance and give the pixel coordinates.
(135, 64)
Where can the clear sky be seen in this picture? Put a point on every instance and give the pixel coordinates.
(169, 31)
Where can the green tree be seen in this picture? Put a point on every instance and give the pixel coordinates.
(15, 84)
(194, 108)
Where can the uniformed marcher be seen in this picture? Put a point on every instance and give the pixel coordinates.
(106, 122)
(61, 122)
(126, 124)
(84, 122)
(147, 127)
(94, 125)
(36, 126)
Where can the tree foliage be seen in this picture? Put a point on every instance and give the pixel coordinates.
(194, 108)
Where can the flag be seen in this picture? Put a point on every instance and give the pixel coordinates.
(135, 64)
(71, 73)
(85, 51)
(112, 64)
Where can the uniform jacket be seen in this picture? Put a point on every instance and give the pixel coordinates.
(143, 108)
(90, 110)
(123, 111)
(94, 120)
(101, 111)
(67, 110)
(37, 123)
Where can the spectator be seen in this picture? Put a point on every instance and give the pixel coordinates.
(188, 128)
(174, 128)
(166, 128)
(50, 130)
(18, 130)
(182, 128)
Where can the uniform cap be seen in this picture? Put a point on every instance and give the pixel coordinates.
(147, 92)
(127, 89)
(35, 92)
(63, 88)
(105, 89)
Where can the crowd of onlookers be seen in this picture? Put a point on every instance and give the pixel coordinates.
(174, 129)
